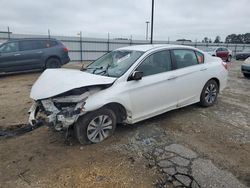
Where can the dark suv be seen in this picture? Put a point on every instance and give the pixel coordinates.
(27, 54)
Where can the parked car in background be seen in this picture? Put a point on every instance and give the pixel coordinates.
(243, 55)
(27, 54)
(126, 86)
(224, 53)
(245, 68)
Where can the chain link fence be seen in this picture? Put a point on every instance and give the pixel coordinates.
(89, 49)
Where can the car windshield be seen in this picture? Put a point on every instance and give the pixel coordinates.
(114, 64)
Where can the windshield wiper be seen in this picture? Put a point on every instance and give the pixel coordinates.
(105, 71)
(95, 68)
(98, 68)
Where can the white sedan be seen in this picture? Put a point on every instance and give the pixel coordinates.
(126, 86)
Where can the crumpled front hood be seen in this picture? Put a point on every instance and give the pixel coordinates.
(53, 82)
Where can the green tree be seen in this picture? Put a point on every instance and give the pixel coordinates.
(205, 40)
(217, 39)
(246, 38)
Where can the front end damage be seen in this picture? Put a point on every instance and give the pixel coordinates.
(59, 112)
(59, 96)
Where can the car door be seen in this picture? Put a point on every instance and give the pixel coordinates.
(31, 52)
(9, 57)
(190, 75)
(155, 93)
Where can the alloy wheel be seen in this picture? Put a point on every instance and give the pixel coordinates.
(99, 128)
(210, 93)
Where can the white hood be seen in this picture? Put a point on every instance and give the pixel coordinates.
(53, 82)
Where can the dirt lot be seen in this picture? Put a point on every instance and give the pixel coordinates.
(219, 134)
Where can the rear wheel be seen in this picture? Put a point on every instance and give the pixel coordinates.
(96, 126)
(209, 93)
(246, 75)
(53, 63)
(229, 58)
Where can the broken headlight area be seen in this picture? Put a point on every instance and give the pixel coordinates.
(62, 110)
(59, 112)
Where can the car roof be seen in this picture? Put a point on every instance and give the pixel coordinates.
(22, 39)
(148, 47)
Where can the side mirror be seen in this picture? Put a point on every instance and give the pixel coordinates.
(136, 75)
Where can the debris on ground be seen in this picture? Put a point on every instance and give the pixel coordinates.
(19, 129)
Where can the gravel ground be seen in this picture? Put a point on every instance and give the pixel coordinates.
(192, 146)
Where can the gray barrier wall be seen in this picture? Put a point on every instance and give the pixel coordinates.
(89, 49)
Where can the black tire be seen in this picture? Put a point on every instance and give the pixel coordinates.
(229, 58)
(246, 75)
(209, 93)
(53, 63)
(83, 127)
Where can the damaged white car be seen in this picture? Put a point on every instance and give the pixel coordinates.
(126, 86)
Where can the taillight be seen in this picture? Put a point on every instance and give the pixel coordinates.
(224, 65)
(65, 49)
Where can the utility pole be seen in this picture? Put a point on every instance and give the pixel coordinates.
(8, 33)
(108, 42)
(152, 22)
(80, 41)
(147, 22)
(81, 45)
(49, 33)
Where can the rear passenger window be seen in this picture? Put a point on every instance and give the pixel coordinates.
(200, 57)
(48, 43)
(52, 43)
(36, 44)
(156, 63)
(185, 58)
(29, 45)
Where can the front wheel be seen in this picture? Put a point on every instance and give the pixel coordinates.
(209, 93)
(95, 126)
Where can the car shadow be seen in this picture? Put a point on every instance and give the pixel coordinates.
(20, 73)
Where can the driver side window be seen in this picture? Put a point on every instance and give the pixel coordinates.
(9, 47)
(156, 63)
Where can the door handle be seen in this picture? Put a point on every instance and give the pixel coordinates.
(39, 52)
(203, 69)
(17, 54)
(172, 77)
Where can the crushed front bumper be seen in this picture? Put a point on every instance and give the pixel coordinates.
(47, 112)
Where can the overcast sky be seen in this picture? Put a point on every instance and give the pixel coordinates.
(190, 19)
